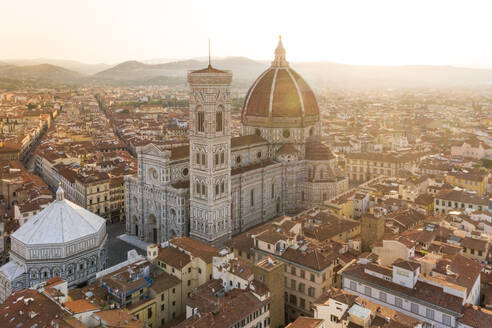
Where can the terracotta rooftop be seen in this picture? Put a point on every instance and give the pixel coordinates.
(305, 322)
(474, 243)
(220, 311)
(196, 248)
(280, 92)
(79, 306)
(180, 152)
(463, 197)
(475, 316)
(406, 264)
(29, 308)
(287, 149)
(119, 318)
(248, 140)
(251, 167)
(173, 257)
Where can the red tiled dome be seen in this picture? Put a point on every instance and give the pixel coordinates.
(280, 97)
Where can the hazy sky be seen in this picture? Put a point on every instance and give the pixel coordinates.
(389, 32)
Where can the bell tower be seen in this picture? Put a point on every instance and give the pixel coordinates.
(210, 152)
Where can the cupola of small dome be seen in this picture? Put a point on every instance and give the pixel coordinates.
(60, 193)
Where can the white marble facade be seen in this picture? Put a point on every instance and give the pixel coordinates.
(219, 186)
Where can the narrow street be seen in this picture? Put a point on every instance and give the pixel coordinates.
(100, 105)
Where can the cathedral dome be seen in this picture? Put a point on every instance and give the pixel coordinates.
(280, 97)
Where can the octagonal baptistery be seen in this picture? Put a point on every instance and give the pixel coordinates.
(280, 106)
(63, 240)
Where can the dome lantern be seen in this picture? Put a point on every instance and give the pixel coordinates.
(280, 60)
(60, 193)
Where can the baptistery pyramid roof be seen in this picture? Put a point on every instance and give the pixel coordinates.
(60, 222)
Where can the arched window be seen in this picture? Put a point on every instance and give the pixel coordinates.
(321, 174)
(219, 119)
(200, 119)
(222, 156)
(217, 189)
(204, 190)
(152, 219)
(204, 162)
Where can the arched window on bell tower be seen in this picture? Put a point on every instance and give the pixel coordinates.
(219, 119)
(200, 119)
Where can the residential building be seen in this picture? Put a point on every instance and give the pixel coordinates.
(435, 296)
(452, 200)
(309, 245)
(474, 180)
(144, 290)
(475, 248)
(339, 309)
(371, 231)
(470, 148)
(187, 259)
(211, 306)
(366, 166)
(270, 272)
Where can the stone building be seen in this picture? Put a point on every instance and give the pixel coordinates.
(371, 231)
(365, 166)
(219, 186)
(270, 272)
(63, 240)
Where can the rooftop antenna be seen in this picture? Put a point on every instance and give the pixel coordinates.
(209, 64)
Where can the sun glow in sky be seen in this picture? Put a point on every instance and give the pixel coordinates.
(391, 32)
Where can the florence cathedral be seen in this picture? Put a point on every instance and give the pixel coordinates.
(218, 186)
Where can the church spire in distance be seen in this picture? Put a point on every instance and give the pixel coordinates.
(280, 60)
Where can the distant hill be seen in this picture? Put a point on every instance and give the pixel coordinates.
(159, 60)
(325, 74)
(317, 74)
(42, 72)
(82, 68)
(244, 70)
